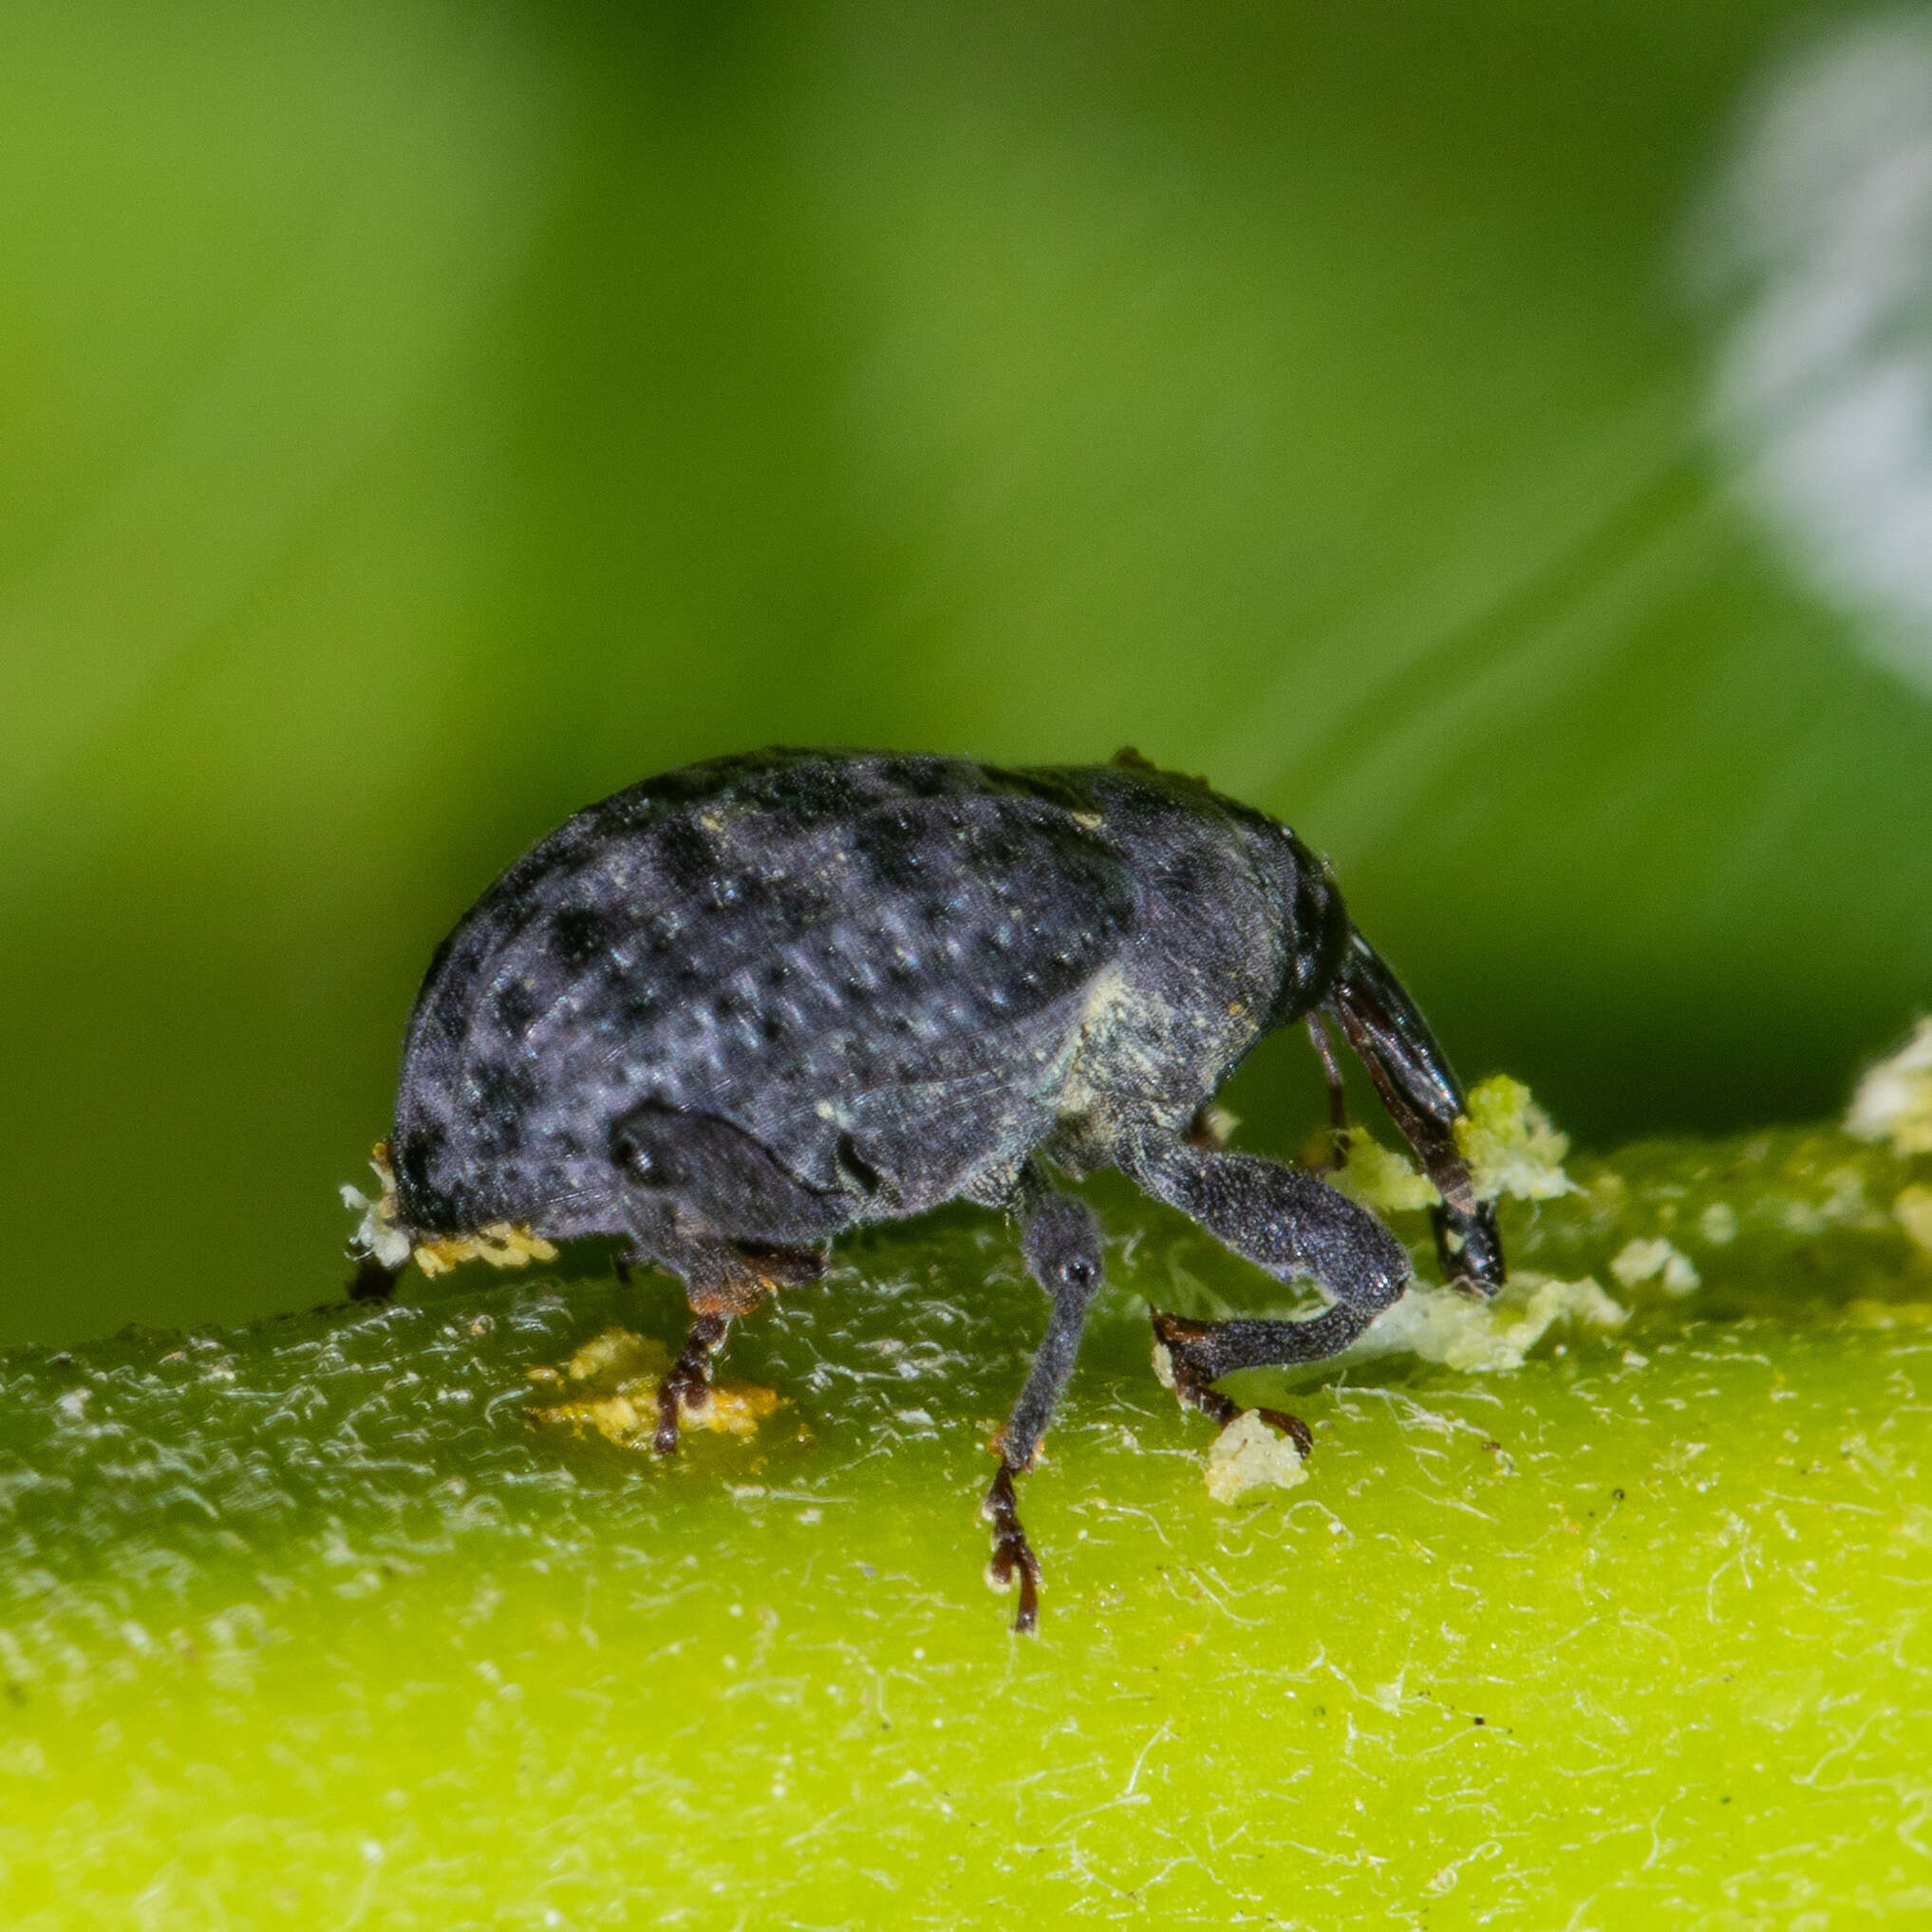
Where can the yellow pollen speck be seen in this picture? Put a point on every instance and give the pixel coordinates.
(501, 1244)
(608, 1388)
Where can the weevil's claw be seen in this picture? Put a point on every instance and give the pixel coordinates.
(1292, 1427)
(1178, 1365)
(1012, 1554)
(688, 1385)
(666, 1440)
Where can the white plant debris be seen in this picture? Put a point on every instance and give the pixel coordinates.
(1445, 1326)
(1510, 1145)
(1249, 1454)
(1914, 1209)
(380, 1236)
(1717, 1224)
(1656, 1260)
(377, 1234)
(1894, 1100)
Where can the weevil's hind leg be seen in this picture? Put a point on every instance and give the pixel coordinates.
(1061, 1243)
(711, 1204)
(1290, 1224)
(688, 1385)
(722, 1281)
(1337, 1097)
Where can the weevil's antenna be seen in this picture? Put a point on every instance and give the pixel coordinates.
(1338, 1093)
(1424, 1098)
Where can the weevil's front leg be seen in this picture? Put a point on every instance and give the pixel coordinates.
(1061, 1241)
(1293, 1226)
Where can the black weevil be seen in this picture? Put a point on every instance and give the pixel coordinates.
(736, 1009)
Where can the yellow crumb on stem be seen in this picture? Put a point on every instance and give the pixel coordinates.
(1510, 1145)
(1249, 1454)
(610, 1388)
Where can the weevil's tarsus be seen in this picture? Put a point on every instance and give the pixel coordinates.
(1012, 1554)
(611, 1387)
(722, 1281)
(689, 1384)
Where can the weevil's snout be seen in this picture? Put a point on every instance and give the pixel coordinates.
(1471, 1249)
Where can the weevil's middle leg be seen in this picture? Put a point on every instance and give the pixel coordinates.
(1061, 1241)
(1293, 1226)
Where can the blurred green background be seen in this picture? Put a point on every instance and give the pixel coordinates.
(422, 418)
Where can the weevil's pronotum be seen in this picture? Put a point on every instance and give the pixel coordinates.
(734, 1010)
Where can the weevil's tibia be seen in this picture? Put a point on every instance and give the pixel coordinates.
(1424, 1098)
(1061, 1241)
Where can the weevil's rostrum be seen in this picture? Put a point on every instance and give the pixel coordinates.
(736, 1009)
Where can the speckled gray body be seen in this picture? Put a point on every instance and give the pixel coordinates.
(898, 975)
(737, 1008)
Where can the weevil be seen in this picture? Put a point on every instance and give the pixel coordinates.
(737, 1009)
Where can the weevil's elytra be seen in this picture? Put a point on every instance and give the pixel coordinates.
(737, 1009)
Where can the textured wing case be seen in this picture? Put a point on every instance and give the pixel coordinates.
(868, 963)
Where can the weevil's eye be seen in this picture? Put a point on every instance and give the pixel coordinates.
(637, 1161)
(1079, 1272)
